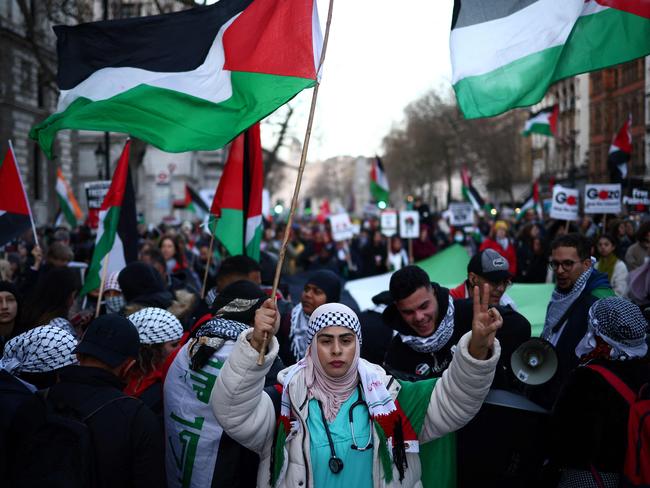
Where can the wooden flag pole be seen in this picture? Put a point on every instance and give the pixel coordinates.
(207, 266)
(301, 169)
(102, 284)
(29, 207)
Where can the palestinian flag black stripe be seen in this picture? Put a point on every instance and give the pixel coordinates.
(471, 12)
(127, 227)
(172, 43)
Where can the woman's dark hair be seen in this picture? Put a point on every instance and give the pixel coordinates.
(51, 297)
(150, 357)
(609, 237)
(643, 231)
(178, 254)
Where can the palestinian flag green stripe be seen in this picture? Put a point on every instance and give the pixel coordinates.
(538, 128)
(144, 113)
(109, 223)
(229, 227)
(69, 215)
(597, 40)
(378, 193)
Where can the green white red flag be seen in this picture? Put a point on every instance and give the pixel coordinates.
(506, 53)
(543, 122)
(67, 201)
(188, 80)
(379, 188)
(236, 211)
(15, 212)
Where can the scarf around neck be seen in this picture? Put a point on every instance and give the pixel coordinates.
(607, 264)
(561, 302)
(298, 333)
(438, 339)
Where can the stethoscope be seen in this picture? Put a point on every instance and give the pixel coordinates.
(335, 463)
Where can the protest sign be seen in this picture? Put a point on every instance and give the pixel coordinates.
(639, 197)
(603, 199)
(409, 224)
(389, 222)
(95, 192)
(565, 203)
(461, 214)
(341, 227)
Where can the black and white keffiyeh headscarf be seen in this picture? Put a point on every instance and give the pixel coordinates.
(40, 350)
(333, 314)
(156, 325)
(438, 339)
(64, 324)
(620, 324)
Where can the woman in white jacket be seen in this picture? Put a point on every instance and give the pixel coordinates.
(343, 422)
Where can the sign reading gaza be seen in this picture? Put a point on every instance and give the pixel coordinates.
(564, 204)
(603, 199)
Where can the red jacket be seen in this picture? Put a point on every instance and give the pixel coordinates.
(509, 253)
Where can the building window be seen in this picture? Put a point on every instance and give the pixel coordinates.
(25, 76)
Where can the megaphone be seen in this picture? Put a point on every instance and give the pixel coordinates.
(534, 362)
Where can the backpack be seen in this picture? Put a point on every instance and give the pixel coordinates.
(636, 469)
(59, 453)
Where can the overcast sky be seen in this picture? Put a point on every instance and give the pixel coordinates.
(382, 54)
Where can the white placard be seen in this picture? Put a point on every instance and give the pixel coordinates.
(341, 227)
(565, 203)
(389, 222)
(603, 199)
(409, 224)
(639, 197)
(461, 214)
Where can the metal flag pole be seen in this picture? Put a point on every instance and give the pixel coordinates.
(301, 169)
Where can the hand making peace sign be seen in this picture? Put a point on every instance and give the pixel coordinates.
(485, 323)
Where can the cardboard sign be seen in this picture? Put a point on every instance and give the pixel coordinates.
(565, 203)
(461, 214)
(639, 197)
(95, 193)
(603, 199)
(409, 224)
(341, 227)
(389, 222)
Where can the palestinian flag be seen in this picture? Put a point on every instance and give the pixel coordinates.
(532, 202)
(15, 214)
(194, 202)
(117, 235)
(508, 54)
(543, 122)
(379, 188)
(67, 202)
(236, 212)
(620, 153)
(470, 193)
(189, 80)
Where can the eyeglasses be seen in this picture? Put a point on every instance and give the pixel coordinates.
(566, 265)
(500, 284)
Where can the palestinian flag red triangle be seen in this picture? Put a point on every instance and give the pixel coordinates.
(14, 208)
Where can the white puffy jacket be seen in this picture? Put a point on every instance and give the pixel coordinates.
(247, 414)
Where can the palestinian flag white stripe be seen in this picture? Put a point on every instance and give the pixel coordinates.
(502, 62)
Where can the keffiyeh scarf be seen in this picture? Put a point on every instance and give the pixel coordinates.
(561, 302)
(40, 350)
(211, 337)
(298, 332)
(156, 325)
(438, 339)
(620, 324)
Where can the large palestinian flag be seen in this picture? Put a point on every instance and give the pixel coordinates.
(379, 188)
(117, 235)
(14, 207)
(620, 153)
(543, 122)
(506, 53)
(236, 212)
(68, 204)
(190, 80)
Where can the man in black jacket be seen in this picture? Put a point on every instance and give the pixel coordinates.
(126, 437)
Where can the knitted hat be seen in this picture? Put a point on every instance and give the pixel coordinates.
(501, 224)
(327, 281)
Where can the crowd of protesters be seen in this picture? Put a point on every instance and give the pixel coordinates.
(162, 388)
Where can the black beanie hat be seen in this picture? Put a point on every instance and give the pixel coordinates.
(327, 281)
(11, 288)
(239, 301)
(139, 279)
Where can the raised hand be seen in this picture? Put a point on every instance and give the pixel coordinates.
(267, 319)
(485, 323)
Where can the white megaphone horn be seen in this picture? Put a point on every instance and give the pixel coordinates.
(534, 362)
